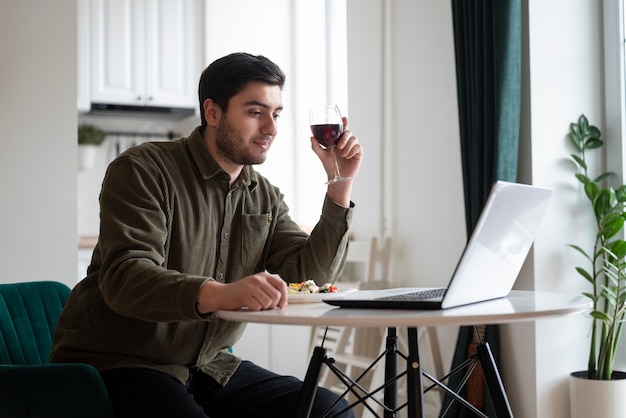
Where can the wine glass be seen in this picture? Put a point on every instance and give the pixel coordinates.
(327, 126)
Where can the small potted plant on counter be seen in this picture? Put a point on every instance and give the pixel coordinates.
(606, 275)
(89, 138)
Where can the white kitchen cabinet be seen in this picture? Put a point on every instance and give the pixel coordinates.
(146, 52)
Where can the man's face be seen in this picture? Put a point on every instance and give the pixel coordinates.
(246, 131)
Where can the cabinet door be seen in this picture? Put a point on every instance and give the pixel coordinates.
(173, 47)
(117, 58)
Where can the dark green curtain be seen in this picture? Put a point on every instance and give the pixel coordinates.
(487, 38)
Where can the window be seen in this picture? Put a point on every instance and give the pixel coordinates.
(614, 132)
(316, 73)
(615, 92)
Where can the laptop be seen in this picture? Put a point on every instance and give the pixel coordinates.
(489, 264)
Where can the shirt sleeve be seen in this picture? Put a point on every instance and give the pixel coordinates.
(321, 256)
(133, 237)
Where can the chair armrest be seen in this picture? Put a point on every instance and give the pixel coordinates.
(68, 390)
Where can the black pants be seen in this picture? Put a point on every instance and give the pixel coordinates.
(251, 392)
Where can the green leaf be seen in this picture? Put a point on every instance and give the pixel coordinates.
(577, 140)
(618, 248)
(593, 143)
(620, 193)
(602, 200)
(590, 296)
(593, 132)
(579, 161)
(600, 315)
(582, 178)
(580, 250)
(613, 217)
(585, 274)
(602, 177)
(612, 223)
(591, 190)
(609, 295)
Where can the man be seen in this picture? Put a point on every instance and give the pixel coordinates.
(187, 227)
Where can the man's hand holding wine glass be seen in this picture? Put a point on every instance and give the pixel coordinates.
(338, 149)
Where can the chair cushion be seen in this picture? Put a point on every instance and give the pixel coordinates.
(53, 391)
(28, 316)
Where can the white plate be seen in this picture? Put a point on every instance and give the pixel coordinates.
(315, 297)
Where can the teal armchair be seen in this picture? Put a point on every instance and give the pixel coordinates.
(31, 386)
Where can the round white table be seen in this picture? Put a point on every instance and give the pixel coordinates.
(518, 306)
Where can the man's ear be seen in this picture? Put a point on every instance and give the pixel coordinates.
(212, 112)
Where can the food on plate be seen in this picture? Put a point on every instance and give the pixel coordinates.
(309, 287)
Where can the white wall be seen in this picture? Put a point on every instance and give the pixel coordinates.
(402, 92)
(38, 140)
(565, 78)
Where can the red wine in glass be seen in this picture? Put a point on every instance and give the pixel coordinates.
(327, 134)
(327, 127)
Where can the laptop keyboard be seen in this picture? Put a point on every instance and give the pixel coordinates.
(419, 295)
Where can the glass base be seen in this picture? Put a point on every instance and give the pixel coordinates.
(337, 179)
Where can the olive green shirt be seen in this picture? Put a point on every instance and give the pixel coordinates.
(168, 222)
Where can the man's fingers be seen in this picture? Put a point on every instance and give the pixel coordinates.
(269, 293)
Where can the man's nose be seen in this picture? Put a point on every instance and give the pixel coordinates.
(270, 126)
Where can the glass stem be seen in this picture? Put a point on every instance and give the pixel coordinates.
(337, 174)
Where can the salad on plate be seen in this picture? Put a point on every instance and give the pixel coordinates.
(309, 287)
(309, 292)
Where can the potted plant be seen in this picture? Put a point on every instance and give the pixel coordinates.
(605, 273)
(89, 138)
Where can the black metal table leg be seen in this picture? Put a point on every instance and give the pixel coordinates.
(493, 381)
(309, 386)
(414, 383)
(391, 370)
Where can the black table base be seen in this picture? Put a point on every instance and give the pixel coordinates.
(414, 380)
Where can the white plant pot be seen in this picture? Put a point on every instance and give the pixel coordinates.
(87, 156)
(597, 398)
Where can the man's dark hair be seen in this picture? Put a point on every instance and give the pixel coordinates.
(227, 76)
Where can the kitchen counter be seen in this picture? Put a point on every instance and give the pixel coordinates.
(87, 241)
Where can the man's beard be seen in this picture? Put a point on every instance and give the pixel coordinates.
(233, 147)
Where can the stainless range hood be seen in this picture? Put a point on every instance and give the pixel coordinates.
(106, 109)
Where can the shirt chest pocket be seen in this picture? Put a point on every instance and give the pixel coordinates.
(255, 229)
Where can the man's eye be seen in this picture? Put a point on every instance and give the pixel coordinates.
(276, 117)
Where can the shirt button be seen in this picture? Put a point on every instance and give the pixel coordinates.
(225, 235)
(220, 276)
